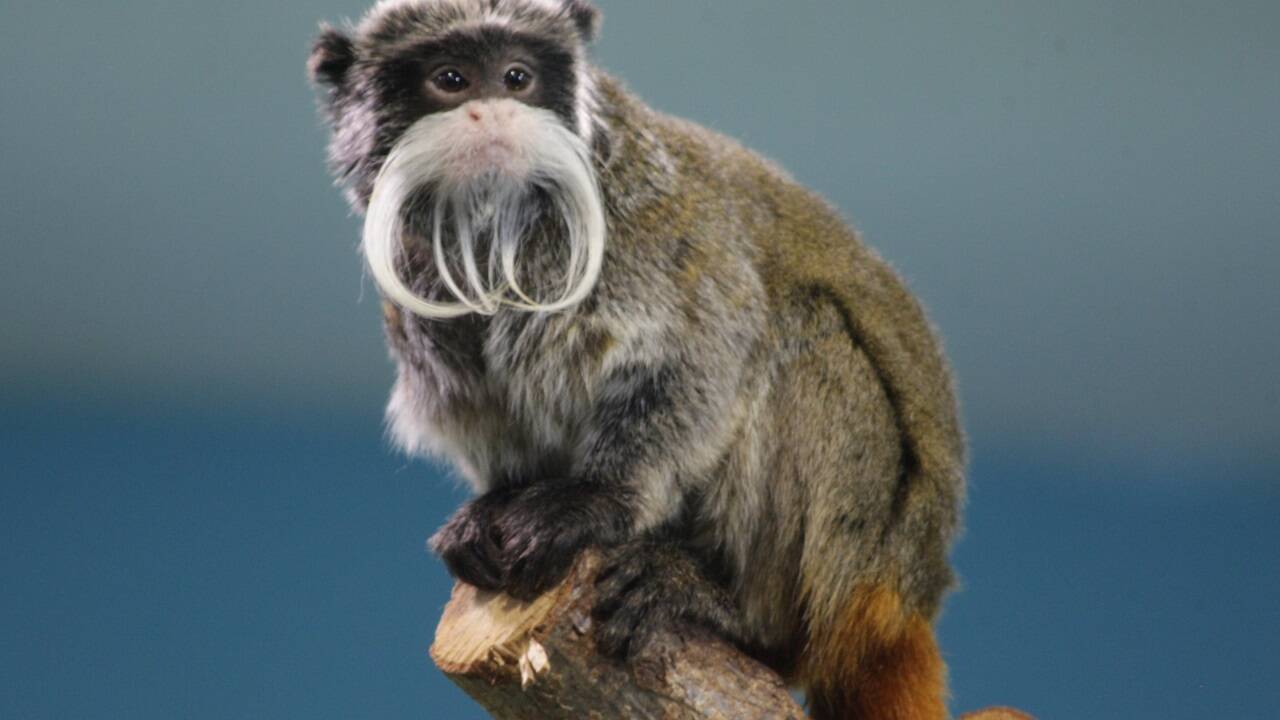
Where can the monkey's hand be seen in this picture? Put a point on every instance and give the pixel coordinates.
(646, 586)
(523, 541)
(468, 544)
(548, 524)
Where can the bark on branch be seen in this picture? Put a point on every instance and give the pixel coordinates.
(538, 661)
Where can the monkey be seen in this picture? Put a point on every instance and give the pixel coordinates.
(630, 333)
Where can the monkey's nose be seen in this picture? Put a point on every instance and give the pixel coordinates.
(491, 113)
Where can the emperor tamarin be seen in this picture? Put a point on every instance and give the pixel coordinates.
(631, 333)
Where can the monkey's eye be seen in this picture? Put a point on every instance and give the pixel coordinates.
(450, 81)
(517, 79)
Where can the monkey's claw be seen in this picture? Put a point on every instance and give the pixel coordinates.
(648, 586)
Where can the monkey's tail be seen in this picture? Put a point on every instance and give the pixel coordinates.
(879, 664)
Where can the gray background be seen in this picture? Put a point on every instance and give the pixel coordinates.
(1085, 194)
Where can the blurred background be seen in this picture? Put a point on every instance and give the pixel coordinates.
(200, 516)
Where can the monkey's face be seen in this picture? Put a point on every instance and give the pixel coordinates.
(467, 123)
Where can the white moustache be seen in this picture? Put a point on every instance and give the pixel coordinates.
(483, 163)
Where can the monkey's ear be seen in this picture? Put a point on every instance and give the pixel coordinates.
(587, 17)
(332, 56)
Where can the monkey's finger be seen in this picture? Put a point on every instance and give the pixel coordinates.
(539, 572)
(626, 631)
(471, 565)
(613, 639)
(625, 559)
(612, 589)
(492, 545)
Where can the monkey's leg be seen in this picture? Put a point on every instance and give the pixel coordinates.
(869, 651)
(649, 585)
(880, 663)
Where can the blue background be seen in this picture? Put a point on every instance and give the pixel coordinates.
(200, 516)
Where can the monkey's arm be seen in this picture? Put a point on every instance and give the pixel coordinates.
(652, 425)
(651, 422)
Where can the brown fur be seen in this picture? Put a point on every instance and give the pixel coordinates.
(880, 663)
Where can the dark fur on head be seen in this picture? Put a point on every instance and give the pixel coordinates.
(372, 74)
(587, 17)
(332, 56)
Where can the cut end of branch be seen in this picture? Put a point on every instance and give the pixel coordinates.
(483, 632)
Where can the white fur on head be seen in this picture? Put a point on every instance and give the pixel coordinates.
(481, 165)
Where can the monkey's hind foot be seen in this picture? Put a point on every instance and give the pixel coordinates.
(646, 586)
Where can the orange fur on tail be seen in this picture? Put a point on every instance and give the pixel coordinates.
(878, 663)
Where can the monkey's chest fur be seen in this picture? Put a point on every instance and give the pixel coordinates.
(503, 397)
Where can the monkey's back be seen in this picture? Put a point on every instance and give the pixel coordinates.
(842, 487)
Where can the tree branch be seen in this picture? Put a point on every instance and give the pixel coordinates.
(538, 661)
